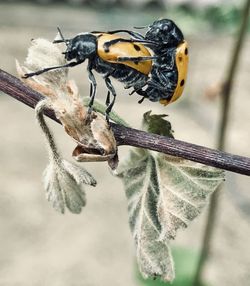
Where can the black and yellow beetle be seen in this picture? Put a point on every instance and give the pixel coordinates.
(154, 65)
(169, 70)
(126, 60)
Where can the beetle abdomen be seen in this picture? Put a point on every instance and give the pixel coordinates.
(124, 74)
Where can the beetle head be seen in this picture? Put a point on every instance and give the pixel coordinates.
(165, 32)
(81, 47)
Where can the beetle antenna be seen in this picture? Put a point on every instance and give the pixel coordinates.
(62, 38)
(140, 27)
(71, 64)
(60, 33)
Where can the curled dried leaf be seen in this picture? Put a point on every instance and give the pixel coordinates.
(63, 181)
(95, 139)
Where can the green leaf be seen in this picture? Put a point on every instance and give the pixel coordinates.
(156, 124)
(99, 107)
(164, 194)
(185, 264)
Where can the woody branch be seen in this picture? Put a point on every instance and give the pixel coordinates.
(137, 138)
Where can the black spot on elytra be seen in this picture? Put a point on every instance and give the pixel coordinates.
(106, 48)
(137, 48)
(186, 51)
(182, 82)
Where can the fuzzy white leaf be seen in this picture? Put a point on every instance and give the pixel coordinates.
(52, 188)
(184, 188)
(164, 193)
(43, 54)
(63, 182)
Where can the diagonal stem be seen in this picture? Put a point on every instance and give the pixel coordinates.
(137, 138)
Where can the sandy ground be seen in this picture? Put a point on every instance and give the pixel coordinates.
(42, 247)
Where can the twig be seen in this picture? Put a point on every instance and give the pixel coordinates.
(129, 136)
(226, 98)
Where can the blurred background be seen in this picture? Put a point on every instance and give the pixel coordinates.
(42, 247)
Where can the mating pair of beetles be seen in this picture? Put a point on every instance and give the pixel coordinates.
(154, 65)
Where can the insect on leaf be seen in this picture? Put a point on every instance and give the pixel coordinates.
(95, 139)
(164, 194)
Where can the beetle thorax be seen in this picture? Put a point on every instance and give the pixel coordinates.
(81, 47)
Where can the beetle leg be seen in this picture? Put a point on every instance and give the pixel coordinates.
(107, 45)
(142, 93)
(92, 88)
(169, 86)
(108, 99)
(135, 35)
(71, 64)
(136, 59)
(112, 90)
(141, 100)
(137, 89)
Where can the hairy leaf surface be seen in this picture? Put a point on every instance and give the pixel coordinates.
(164, 194)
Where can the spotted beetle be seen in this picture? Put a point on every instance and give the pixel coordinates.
(154, 65)
(127, 60)
(169, 70)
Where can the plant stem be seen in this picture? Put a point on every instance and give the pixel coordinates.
(223, 125)
(137, 138)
